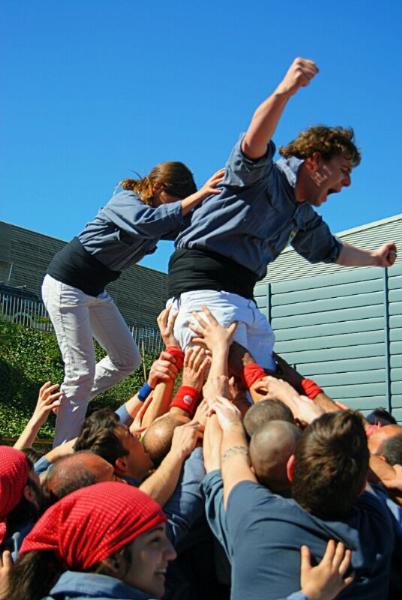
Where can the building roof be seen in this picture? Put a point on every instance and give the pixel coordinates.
(290, 265)
(140, 292)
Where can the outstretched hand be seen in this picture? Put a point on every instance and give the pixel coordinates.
(210, 186)
(49, 398)
(210, 332)
(162, 369)
(195, 367)
(166, 321)
(326, 580)
(228, 414)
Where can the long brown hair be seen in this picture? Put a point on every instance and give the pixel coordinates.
(173, 177)
(34, 574)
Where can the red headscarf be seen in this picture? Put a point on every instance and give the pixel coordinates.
(92, 523)
(14, 470)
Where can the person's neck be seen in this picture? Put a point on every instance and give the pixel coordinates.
(302, 181)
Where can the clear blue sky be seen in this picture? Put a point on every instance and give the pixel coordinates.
(93, 91)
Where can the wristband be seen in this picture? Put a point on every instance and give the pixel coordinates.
(144, 392)
(178, 355)
(187, 398)
(310, 388)
(252, 373)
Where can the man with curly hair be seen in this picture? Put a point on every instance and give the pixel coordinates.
(263, 206)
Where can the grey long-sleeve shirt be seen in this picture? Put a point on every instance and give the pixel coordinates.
(256, 215)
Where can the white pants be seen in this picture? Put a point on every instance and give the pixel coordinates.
(253, 330)
(77, 318)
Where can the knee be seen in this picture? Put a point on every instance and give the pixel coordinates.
(128, 361)
(82, 379)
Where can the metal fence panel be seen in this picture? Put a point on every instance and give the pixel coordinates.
(32, 313)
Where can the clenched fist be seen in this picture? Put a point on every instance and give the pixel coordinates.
(300, 73)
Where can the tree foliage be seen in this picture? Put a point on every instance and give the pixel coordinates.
(28, 358)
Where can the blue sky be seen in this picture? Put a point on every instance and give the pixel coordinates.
(96, 90)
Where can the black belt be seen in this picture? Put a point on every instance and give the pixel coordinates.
(193, 269)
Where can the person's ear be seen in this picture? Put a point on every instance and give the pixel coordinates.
(120, 465)
(290, 467)
(114, 564)
(29, 493)
(313, 162)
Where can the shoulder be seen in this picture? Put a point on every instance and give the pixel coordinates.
(248, 497)
(124, 197)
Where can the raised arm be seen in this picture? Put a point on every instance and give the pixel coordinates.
(209, 188)
(163, 481)
(218, 340)
(235, 462)
(48, 399)
(162, 395)
(267, 115)
(384, 256)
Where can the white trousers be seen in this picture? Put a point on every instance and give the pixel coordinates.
(77, 318)
(253, 330)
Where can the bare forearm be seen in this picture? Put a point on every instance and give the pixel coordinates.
(350, 256)
(217, 382)
(263, 125)
(162, 397)
(28, 436)
(384, 256)
(133, 405)
(326, 403)
(162, 483)
(191, 202)
(235, 462)
(267, 115)
(212, 444)
(381, 471)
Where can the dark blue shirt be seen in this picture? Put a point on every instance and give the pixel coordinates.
(262, 534)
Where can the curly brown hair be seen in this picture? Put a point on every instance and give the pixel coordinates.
(328, 141)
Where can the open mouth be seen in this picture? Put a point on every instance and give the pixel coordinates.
(161, 572)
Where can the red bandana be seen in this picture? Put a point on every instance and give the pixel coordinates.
(93, 523)
(14, 469)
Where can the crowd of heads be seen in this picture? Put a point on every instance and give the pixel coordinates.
(91, 510)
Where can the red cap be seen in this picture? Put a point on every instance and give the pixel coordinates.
(14, 470)
(93, 523)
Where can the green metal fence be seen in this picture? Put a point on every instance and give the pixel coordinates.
(344, 330)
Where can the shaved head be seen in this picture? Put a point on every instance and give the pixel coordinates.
(377, 439)
(264, 411)
(271, 447)
(75, 471)
(158, 437)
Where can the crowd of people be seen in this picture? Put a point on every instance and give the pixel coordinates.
(228, 474)
(190, 490)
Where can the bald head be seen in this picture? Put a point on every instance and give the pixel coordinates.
(75, 471)
(271, 447)
(265, 411)
(158, 437)
(377, 439)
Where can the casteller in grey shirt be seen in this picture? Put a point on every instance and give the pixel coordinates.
(256, 215)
